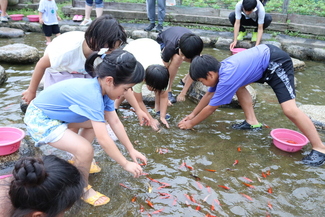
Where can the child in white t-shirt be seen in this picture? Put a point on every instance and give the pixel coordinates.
(49, 19)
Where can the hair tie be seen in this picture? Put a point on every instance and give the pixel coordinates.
(103, 56)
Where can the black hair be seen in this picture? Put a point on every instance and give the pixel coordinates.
(201, 65)
(249, 5)
(191, 45)
(157, 77)
(49, 184)
(119, 64)
(104, 32)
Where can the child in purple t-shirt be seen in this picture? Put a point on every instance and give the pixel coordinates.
(263, 63)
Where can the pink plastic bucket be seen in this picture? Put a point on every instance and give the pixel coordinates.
(288, 140)
(33, 18)
(16, 17)
(237, 50)
(10, 138)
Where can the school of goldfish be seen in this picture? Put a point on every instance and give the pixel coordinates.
(154, 186)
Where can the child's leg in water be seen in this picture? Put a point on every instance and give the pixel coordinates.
(94, 167)
(80, 146)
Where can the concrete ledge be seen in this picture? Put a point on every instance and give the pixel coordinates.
(181, 15)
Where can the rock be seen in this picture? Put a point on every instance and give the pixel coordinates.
(18, 53)
(298, 65)
(69, 28)
(317, 54)
(223, 43)
(295, 51)
(316, 114)
(197, 91)
(3, 75)
(139, 34)
(206, 40)
(6, 32)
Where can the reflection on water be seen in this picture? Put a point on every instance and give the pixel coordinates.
(297, 190)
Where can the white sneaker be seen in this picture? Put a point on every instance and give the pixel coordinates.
(86, 22)
(4, 19)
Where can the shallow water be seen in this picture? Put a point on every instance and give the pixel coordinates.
(298, 190)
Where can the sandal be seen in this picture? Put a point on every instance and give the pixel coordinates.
(94, 168)
(93, 199)
(246, 126)
(86, 22)
(314, 158)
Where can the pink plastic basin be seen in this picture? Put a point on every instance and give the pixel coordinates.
(16, 16)
(33, 18)
(288, 140)
(237, 50)
(10, 138)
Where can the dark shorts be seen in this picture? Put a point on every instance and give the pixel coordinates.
(51, 29)
(280, 74)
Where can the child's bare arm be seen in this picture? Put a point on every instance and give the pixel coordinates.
(37, 76)
(153, 122)
(111, 149)
(118, 128)
(203, 103)
(142, 116)
(163, 98)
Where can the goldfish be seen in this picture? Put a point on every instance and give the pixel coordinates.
(134, 199)
(158, 211)
(248, 185)
(121, 184)
(248, 197)
(210, 170)
(236, 162)
(239, 149)
(269, 190)
(149, 203)
(225, 187)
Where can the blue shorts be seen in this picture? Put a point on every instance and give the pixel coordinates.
(41, 128)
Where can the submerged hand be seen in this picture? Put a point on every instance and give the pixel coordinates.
(180, 98)
(185, 125)
(154, 124)
(164, 121)
(135, 155)
(133, 168)
(143, 118)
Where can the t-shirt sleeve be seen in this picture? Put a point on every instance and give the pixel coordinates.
(261, 13)
(108, 104)
(238, 10)
(41, 7)
(138, 87)
(168, 52)
(223, 95)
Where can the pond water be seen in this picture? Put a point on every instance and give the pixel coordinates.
(297, 190)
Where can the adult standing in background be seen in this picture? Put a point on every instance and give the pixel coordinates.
(88, 7)
(151, 12)
(3, 7)
(249, 13)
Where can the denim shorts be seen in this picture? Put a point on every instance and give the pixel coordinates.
(41, 128)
